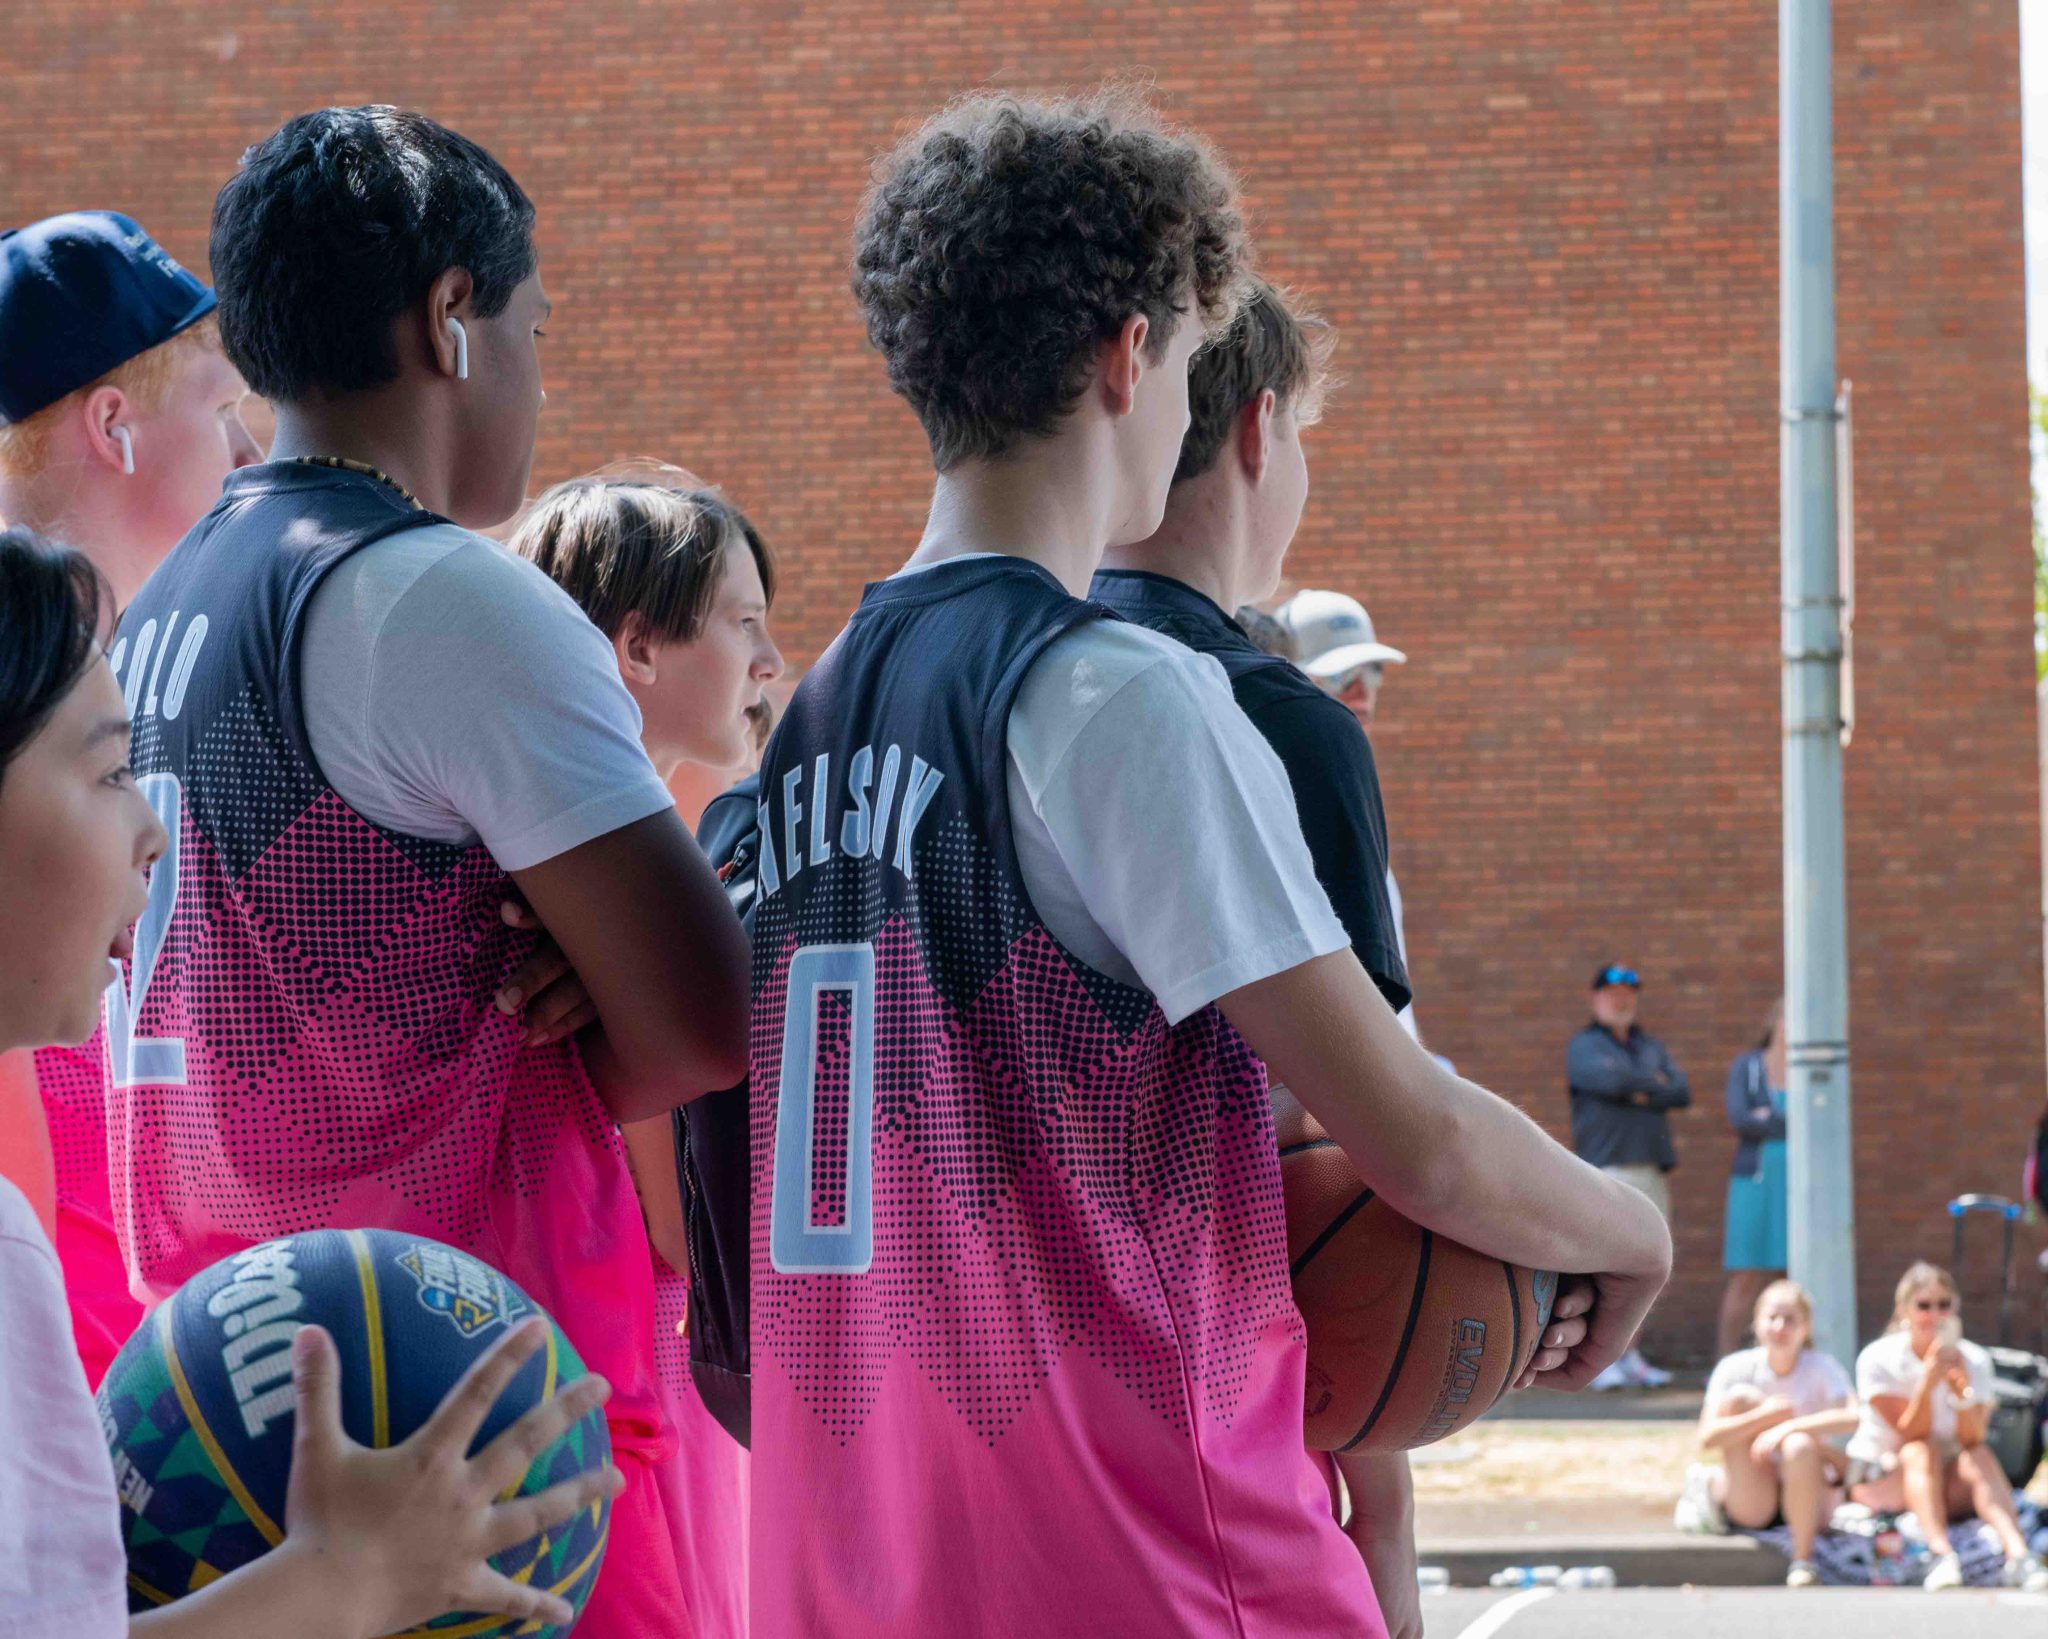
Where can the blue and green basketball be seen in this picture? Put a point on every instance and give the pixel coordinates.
(198, 1407)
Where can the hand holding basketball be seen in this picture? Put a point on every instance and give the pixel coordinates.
(403, 1534)
(1567, 1329)
(1621, 1302)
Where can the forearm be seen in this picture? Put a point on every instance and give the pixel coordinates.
(1440, 1150)
(1825, 1425)
(1382, 1492)
(283, 1592)
(651, 1157)
(1973, 1423)
(1382, 1528)
(1502, 1186)
(1739, 1429)
(1607, 1076)
(1917, 1421)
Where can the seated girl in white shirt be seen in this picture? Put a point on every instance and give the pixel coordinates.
(376, 1540)
(1770, 1412)
(1927, 1398)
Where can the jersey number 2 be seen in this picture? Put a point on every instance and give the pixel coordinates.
(822, 1214)
(135, 1060)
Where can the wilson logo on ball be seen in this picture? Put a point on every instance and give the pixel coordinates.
(258, 1312)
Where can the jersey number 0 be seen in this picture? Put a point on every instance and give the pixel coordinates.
(822, 1215)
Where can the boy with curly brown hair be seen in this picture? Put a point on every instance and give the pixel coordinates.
(1033, 905)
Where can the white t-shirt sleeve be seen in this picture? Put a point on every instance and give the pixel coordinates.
(62, 1567)
(1154, 825)
(1877, 1371)
(453, 692)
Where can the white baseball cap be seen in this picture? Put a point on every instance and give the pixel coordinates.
(1333, 634)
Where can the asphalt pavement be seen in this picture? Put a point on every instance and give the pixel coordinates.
(1734, 1613)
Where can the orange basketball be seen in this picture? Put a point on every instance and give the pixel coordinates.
(1410, 1336)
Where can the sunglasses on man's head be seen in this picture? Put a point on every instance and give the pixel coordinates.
(1370, 674)
(1929, 1306)
(1622, 976)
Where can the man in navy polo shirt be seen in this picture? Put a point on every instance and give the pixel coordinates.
(1623, 1086)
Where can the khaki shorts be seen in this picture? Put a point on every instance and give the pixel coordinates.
(1646, 1180)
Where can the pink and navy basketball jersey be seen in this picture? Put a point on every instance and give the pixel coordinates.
(1025, 1356)
(305, 1037)
(71, 1082)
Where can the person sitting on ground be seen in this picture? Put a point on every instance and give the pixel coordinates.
(1770, 1412)
(1919, 1445)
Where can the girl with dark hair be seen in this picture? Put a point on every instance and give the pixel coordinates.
(377, 1540)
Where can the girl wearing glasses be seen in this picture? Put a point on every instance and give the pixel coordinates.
(1926, 1398)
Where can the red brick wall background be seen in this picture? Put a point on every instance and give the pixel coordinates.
(1548, 236)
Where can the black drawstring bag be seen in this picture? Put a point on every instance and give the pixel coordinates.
(714, 1162)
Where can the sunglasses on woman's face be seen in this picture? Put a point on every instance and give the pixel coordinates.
(1934, 1305)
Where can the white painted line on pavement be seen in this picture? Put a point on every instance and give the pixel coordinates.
(1495, 1617)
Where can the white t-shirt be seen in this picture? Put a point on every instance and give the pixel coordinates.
(1889, 1366)
(1154, 825)
(453, 692)
(62, 1567)
(1407, 1013)
(1815, 1383)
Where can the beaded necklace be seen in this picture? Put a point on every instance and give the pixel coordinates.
(341, 463)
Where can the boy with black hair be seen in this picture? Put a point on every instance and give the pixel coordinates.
(364, 720)
(1034, 903)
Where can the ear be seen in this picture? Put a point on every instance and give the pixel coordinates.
(635, 649)
(1255, 435)
(1123, 364)
(448, 297)
(106, 408)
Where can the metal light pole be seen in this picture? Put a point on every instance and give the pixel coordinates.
(1823, 1229)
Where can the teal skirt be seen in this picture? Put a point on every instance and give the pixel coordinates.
(1755, 1235)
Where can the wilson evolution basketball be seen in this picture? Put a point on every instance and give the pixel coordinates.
(1410, 1336)
(198, 1407)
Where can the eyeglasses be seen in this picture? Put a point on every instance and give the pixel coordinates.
(1622, 976)
(1934, 1306)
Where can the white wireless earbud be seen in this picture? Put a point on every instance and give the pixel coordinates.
(461, 349)
(127, 448)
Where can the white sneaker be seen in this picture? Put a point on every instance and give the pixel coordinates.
(2027, 1574)
(1946, 1572)
(1698, 1511)
(1802, 1575)
(1615, 1376)
(1647, 1375)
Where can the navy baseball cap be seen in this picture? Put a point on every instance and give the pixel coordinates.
(79, 294)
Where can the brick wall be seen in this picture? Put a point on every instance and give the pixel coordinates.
(1548, 234)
